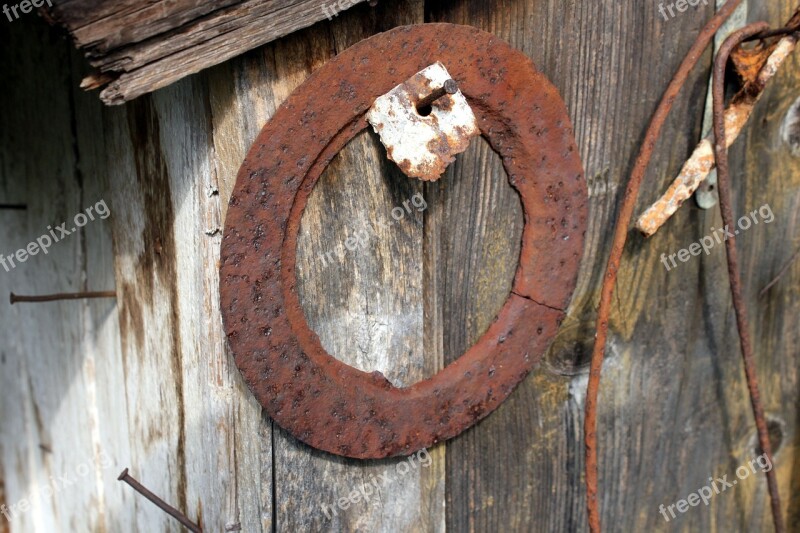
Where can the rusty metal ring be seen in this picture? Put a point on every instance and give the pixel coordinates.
(328, 404)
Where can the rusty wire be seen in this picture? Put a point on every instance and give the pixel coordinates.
(778, 32)
(780, 274)
(740, 309)
(618, 246)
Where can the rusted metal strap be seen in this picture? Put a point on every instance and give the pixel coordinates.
(320, 400)
(424, 123)
(618, 246)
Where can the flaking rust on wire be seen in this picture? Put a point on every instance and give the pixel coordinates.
(702, 161)
(423, 145)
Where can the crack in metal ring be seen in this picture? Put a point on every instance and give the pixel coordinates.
(320, 400)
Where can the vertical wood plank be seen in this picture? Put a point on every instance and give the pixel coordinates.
(103, 370)
(366, 304)
(55, 458)
(673, 404)
(472, 243)
(194, 428)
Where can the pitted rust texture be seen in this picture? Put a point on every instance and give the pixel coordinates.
(329, 404)
(756, 67)
(423, 145)
(748, 62)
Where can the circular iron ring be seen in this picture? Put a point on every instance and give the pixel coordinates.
(320, 400)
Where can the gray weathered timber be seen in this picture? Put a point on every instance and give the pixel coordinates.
(139, 49)
(674, 407)
(148, 380)
(64, 420)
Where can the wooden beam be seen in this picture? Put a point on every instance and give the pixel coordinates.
(139, 49)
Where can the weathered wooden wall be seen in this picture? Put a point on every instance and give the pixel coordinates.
(63, 403)
(148, 381)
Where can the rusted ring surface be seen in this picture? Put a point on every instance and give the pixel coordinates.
(324, 402)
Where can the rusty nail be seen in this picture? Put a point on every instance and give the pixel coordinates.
(15, 298)
(161, 504)
(449, 87)
(422, 138)
(16, 207)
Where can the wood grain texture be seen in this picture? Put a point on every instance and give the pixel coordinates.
(203, 441)
(673, 381)
(365, 303)
(146, 47)
(60, 442)
(769, 174)
(148, 380)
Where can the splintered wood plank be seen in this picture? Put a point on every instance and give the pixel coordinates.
(57, 444)
(673, 406)
(142, 48)
(129, 24)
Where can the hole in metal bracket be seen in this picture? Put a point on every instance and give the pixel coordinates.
(425, 110)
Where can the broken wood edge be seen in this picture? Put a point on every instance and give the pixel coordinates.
(183, 62)
(96, 80)
(699, 165)
(132, 69)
